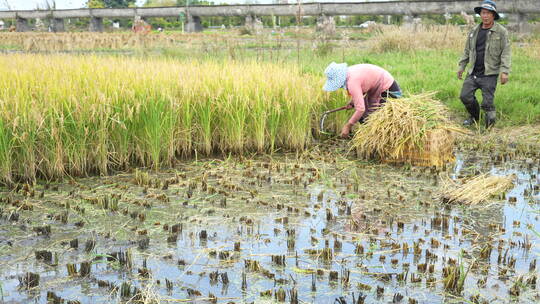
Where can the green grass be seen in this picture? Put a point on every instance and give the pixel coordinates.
(8, 47)
(417, 71)
(517, 102)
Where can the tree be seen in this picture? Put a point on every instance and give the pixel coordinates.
(119, 3)
(164, 3)
(193, 2)
(160, 3)
(109, 3)
(95, 4)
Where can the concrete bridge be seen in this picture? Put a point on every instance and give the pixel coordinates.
(518, 9)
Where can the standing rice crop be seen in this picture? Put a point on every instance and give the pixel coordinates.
(78, 115)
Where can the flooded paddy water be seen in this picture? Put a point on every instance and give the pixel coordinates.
(313, 227)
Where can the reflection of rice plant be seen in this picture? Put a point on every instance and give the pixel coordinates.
(3, 249)
(106, 259)
(149, 295)
(455, 275)
(534, 231)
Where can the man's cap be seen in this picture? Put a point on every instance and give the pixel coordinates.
(490, 6)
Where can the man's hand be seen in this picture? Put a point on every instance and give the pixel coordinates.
(346, 130)
(350, 105)
(460, 74)
(504, 78)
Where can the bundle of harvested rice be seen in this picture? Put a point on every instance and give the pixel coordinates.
(411, 130)
(476, 190)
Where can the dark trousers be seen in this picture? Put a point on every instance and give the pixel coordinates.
(487, 84)
(394, 88)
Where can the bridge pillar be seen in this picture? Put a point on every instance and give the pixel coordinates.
(519, 23)
(388, 19)
(411, 21)
(22, 25)
(326, 25)
(57, 25)
(39, 25)
(253, 24)
(96, 24)
(193, 24)
(408, 19)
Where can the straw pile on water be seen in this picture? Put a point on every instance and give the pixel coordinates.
(477, 190)
(412, 130)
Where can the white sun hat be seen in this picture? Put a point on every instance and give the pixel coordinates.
(336, 76)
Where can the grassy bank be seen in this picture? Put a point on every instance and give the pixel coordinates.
(73, 115)
(517, 102)
(422, 59)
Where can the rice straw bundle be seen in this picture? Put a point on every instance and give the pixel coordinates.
(477, 190)
(408, 130)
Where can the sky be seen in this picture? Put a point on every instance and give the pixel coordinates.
(32, 4)
(64, 4)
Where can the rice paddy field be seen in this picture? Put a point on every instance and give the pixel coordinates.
(188, 168)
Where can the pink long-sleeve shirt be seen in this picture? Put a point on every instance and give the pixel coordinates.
(370, 79)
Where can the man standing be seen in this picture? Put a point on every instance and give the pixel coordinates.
(487, 50)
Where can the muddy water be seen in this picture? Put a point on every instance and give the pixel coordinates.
(310, 227)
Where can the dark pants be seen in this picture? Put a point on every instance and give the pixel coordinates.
(394, 88)
(487, 84)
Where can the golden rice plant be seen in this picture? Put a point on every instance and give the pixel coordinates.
(68, 41)
(531, 48)
(417, 37)
(78, 115)
(412, 130)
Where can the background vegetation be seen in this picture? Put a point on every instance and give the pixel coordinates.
(147, 100)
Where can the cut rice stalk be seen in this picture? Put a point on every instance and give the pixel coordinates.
(408, 130)
(477, 190)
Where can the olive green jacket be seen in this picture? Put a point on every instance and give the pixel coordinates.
(497, 58)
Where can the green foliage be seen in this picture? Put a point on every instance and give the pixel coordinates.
(160, 3)
(164, 3)
(118, 3)
(6, 148)
(193, 2)
(324, 47)
(109, 3)
(95, 4)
